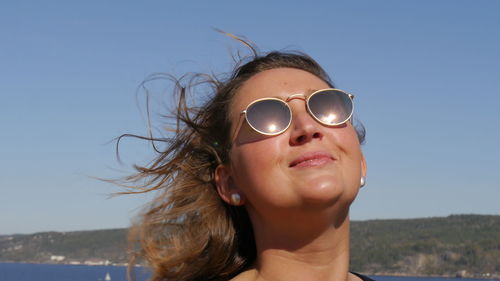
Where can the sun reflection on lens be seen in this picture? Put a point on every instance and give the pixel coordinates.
(329, 118)
(272, 128)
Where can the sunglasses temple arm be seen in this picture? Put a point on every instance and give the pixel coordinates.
(237, 129)
(351, 96)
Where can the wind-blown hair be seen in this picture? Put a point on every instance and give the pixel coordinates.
(187, 232)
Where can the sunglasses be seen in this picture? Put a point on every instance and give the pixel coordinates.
(273, 116)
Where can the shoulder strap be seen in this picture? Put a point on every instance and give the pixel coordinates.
(364, 278)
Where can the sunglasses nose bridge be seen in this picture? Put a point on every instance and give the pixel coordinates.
(301, 117)
(296, 96)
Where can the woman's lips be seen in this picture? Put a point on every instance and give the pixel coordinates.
(312, 159)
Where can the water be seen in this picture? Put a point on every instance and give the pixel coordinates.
(62, 272)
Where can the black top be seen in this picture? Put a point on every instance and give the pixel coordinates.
(364, 278)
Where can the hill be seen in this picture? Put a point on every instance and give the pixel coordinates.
(92, 247)
(464, 244)
(443, 246)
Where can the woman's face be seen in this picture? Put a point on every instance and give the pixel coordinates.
(308, 166)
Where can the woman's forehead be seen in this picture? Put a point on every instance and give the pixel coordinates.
(278, 83)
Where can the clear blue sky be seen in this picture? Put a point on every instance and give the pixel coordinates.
(426, 75)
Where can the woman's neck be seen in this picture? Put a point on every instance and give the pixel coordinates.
(315, 251)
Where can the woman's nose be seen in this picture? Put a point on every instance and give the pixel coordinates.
(303, 128)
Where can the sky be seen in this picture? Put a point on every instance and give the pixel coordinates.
(426, 75)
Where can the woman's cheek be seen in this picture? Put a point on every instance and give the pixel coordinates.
(258, 165)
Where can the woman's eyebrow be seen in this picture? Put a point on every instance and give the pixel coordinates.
(305, 93)
(310, 91)
(278, 97)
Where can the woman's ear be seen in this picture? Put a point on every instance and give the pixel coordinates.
(226, 187)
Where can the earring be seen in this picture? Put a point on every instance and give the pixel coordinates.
(362, 181)
(236, 199)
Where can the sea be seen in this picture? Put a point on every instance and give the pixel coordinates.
(63, 272)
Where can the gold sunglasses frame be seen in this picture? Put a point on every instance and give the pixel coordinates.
(303, 97)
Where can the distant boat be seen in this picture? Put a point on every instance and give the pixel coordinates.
(108, 277)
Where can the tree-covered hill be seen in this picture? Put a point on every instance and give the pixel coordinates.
(428, 246)
(78, 246)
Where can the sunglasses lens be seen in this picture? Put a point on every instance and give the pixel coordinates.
(269, 117)
(331, 107)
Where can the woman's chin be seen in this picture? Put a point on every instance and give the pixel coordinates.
(326, 192)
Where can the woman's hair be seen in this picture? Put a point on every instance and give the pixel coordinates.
(187, 232)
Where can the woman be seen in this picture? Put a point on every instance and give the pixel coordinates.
(256, 183)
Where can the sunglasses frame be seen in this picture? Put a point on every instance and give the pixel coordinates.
(306, 99)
